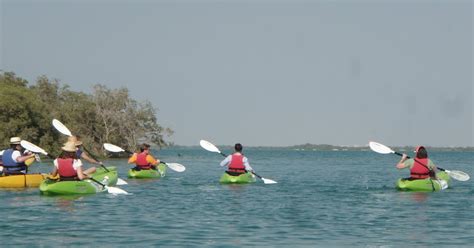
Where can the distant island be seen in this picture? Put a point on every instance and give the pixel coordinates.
(326, 147)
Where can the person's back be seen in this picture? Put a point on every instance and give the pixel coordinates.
(67, 165)
(236, 163)
(421, 166)
(143, 160)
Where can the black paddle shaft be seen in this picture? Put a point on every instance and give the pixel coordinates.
(103, 185)
(399, 154)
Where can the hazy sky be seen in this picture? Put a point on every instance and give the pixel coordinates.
(263, 72)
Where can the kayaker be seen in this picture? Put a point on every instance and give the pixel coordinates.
(81, 154)
(236, 163)
(68, 165)
(143, 159)
(13, 160)
(421, 167)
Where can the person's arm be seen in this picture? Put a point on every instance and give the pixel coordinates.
(86, 156)
(19, 158)
(151, 160)
(78, 165)
(132, 159)
(247, 164)
(80, 174)
(226, 161)
(55, 170)
(402, 164)
(431, 165)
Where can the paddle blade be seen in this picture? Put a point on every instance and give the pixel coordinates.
(32, 147)
(379, 148)
(61, 128)
(176, 167)
(458, 175)
(268, 181)
(209, 146)
(120, 181)
(116, 191)
(112, 148)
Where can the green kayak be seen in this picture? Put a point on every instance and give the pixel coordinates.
(427, 184)
(54, 187)
(242, 178)
(160, 172)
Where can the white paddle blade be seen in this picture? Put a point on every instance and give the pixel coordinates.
(379, 148)
(120, 181)
(61, 128)
(458, 175)
(209, 146)
(268, 181)
(176, 167)
(32, 147)
(116, 191)
(112, 148)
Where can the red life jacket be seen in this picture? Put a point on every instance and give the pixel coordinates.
(420, 169)
(237, 163)
(141, 162)
(65, 167)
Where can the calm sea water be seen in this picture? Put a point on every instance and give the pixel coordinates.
(321, 199)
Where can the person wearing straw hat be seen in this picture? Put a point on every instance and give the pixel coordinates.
(81, 154)
(13, 159)
(68, 165)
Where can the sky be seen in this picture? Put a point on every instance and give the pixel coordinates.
(263, 73)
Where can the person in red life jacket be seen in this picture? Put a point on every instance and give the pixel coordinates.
(68, 165)
(236, 163)
(14, 159)
(421, 166)
(143, 159)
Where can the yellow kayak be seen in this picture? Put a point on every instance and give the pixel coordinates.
(22, 181)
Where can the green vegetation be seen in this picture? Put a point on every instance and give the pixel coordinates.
(106, 115)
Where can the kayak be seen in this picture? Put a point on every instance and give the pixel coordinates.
(427, 184)
(22, 181)
(160, 172)
(87, 186)
(242, 178)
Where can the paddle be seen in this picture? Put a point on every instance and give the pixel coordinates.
(174, 166)
(64, 130)
(110, 190)
(36, 149)
(382, 149)
(212, 148)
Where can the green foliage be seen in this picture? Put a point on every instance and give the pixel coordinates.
(107, 115)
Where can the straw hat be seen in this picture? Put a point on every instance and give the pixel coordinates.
(75, 140)
(69, 147)
(15, 140)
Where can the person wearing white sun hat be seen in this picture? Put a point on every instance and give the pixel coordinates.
(13, 160)
(68, 165)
